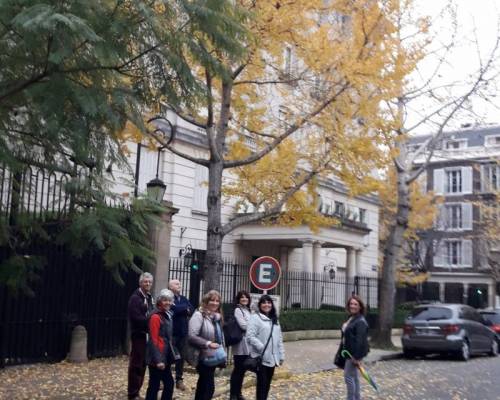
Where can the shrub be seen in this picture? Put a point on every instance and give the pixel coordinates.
(303, 320)
(332, 307)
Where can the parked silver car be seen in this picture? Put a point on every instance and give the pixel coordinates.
(447, 328)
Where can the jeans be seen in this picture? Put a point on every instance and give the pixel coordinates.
(155, 376)
(179, 343)
(351, 379)
(237, 375)
(205, 387)
(264, 378)
(137, 364)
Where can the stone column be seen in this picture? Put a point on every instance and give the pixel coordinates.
(284, 251)
(284, 258)
(466, 293)
(358, 252)
(160, 240)
(350, 271)
(491, 294)
(307, 256)
(307, 265)
(318, 268)
(442, 293)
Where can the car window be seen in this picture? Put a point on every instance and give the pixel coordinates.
(470, 314)
(475, 316)
(430, 313)
(493, 317)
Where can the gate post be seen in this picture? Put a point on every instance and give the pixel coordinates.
(160, 242)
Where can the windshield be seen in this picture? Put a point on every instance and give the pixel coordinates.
(430, 313)
(493, 317)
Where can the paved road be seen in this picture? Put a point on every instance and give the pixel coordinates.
(429, 379)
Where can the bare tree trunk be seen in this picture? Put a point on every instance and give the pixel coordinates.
(213, 264)
(392, 253)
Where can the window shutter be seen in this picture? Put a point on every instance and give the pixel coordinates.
(439, 181)
(441, 218)
(483, 179)
(467, 216)
(422, 252)
(467, 253)
(200, 188)
(438, 259)
(466, 179)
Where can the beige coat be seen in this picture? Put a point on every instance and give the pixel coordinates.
(242, 316)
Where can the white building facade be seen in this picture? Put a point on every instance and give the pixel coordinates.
(352, 245)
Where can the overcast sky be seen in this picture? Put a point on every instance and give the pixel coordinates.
(475, 18)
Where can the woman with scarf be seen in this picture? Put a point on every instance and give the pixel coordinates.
(205, 333)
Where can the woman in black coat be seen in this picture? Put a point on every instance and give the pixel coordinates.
(354, 340)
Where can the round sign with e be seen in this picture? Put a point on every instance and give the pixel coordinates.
(265, 273)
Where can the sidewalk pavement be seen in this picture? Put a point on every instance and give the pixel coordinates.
(314, 355)
(305, 356)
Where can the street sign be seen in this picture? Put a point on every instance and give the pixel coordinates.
(265, 273)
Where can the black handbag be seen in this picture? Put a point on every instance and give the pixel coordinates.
(253, 363)
(339, 359)
(233, 334)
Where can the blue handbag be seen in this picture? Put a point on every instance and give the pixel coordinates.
(215, 357)
(218, 356)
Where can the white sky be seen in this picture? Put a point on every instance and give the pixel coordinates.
(475, 18)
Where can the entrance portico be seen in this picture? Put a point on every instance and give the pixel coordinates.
(300, 249)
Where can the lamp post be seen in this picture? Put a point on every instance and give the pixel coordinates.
(156, 187)
(330, 268)
(187, 253)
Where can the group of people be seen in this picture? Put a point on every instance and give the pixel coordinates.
(161, 335)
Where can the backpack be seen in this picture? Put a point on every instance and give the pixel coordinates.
(233, 334)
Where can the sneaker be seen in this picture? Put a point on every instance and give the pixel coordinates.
(180, 385)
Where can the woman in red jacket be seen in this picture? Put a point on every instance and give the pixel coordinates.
(161, 353)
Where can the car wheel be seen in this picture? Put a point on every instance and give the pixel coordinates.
(464, 353)
(407, 353)
(494, 348)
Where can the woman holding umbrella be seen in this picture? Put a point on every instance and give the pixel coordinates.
(355, 341)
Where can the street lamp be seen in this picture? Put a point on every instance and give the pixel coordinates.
(156, 187)
(187, 253)
(330, 268)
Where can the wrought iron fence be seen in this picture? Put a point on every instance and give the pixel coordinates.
(35, 191)
(70, 291)
(297, 289)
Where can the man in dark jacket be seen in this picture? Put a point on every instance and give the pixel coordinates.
(140, 305)
(181, 310)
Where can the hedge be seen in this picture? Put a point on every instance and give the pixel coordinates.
(303, 320)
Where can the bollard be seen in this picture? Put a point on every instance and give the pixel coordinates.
(78, 347)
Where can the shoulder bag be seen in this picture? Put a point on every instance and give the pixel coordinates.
(339, 359)
(216, 357)
(233, 334)
(253, 363)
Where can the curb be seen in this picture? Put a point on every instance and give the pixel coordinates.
(293, 336)
(388, 357)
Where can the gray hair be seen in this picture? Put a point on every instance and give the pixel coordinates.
(165, 294)
(145, 275)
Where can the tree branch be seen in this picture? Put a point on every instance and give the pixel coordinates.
(292, 129)
(273, 211)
